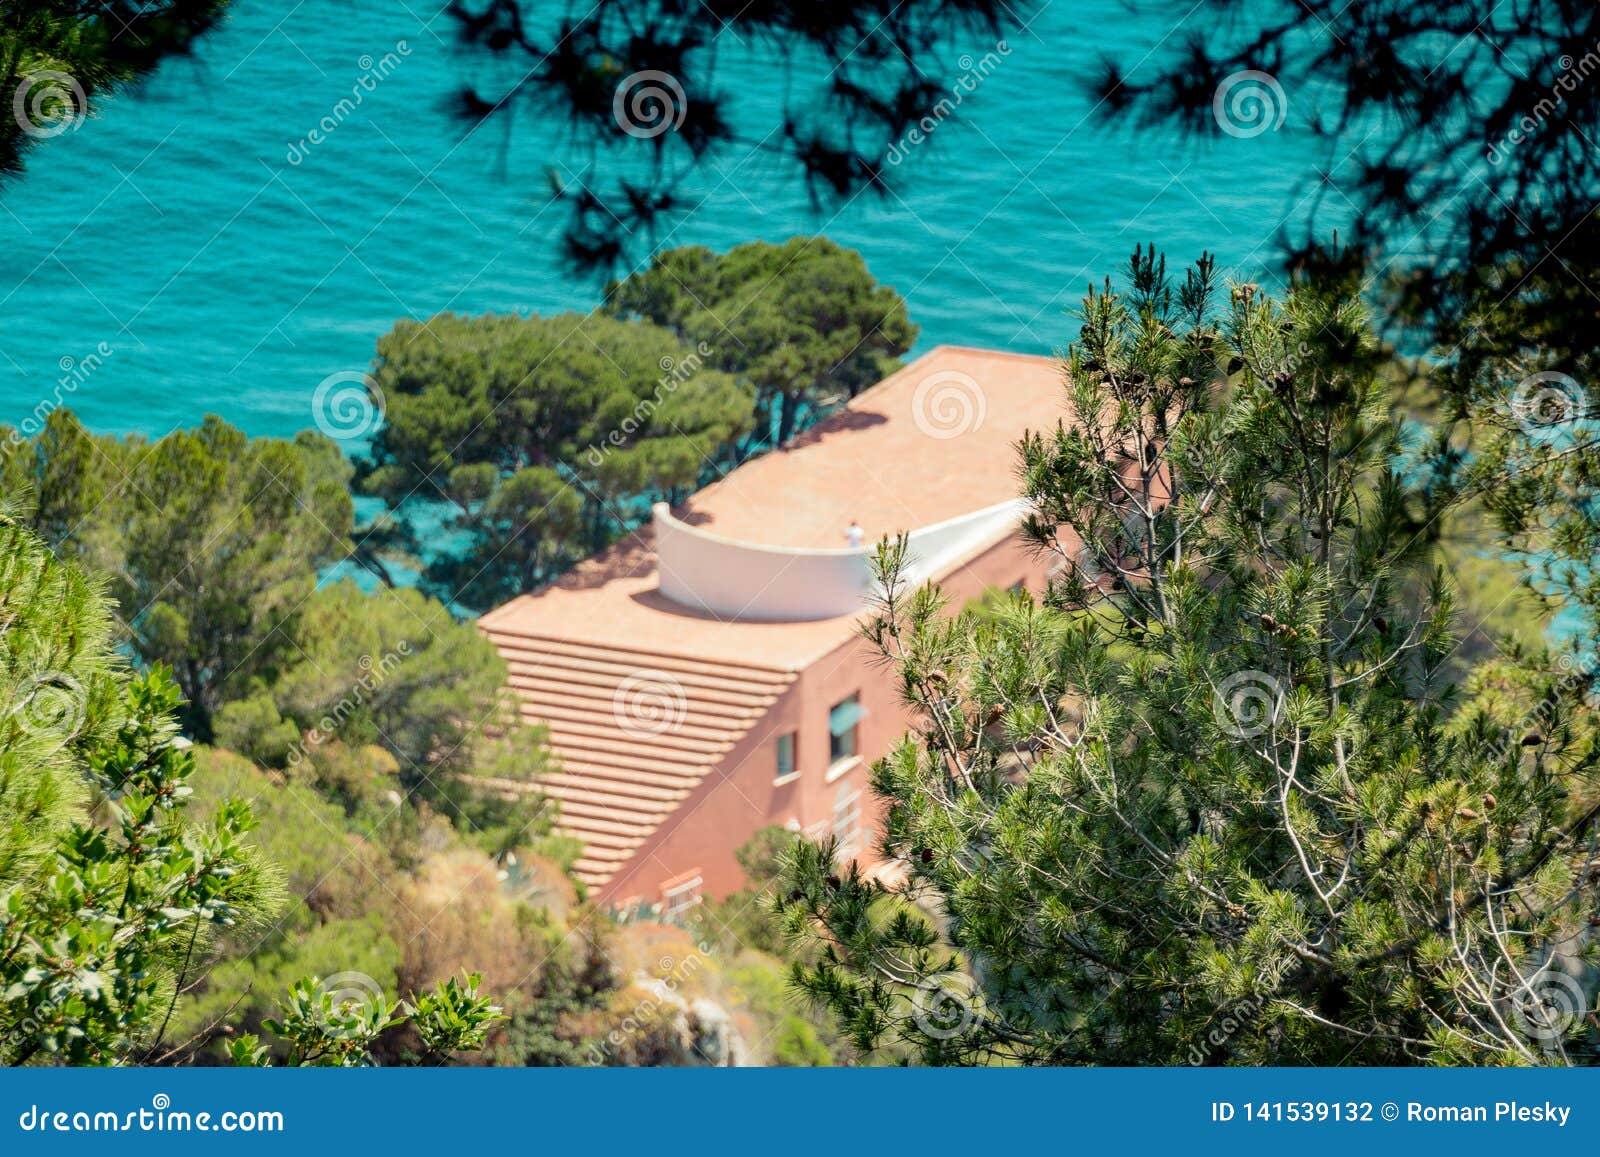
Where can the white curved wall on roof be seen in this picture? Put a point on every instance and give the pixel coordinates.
(743, 580)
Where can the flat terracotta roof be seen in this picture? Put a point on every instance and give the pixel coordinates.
(930, 442)
(875, 461)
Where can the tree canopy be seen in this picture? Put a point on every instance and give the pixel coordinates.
(210, 539)
(214, 544)
(1463, 128)
(391, 668)
(802, 323)
(524, 444)
(541, 436)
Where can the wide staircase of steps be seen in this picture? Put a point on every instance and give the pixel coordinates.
(635, 731)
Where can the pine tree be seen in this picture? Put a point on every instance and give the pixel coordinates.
(1213, 801)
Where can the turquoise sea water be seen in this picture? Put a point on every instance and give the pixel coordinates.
(223, 278)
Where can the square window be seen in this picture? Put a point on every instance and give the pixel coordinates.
(785, 754)
(844, 729)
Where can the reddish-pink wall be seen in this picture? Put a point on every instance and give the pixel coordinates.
(740, 797)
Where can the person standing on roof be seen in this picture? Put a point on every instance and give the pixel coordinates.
(853, 534)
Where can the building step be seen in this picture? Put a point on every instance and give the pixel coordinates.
(640, 814)
(745, 674)
(689, 733)
(598, 782)
(575, 807)
(668, 745)
(651, 684)
(615, 857)
(641, 665)
(594, 873)
(646, 756)
(644, 768)
(596, 838)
